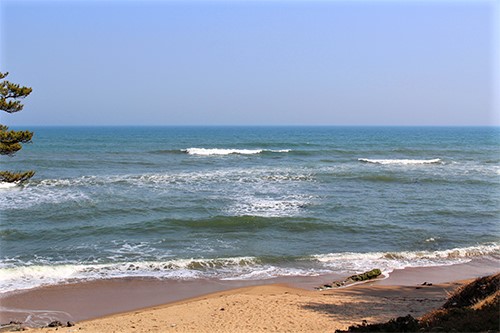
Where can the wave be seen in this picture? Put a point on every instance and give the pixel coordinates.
(27, 277)
(286, 206)
(400, 161)
(6, 185)
(216, 151)
(166, 151)
(229, 175)
(388, 261)
(89, 188)
(16, 275)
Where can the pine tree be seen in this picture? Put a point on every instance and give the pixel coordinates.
(10, 140)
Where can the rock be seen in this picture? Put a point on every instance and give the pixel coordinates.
(366, 276)
(352, 279)
(55, 323)
(9, 327)
(70, 324)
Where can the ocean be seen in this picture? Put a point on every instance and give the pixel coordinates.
(247, 203)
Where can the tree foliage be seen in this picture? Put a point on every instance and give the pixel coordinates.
(15, 177)
(10, 93)
(10, 140)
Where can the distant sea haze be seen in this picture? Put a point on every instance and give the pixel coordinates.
(247, 202)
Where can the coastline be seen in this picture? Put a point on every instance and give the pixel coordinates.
(115, 302)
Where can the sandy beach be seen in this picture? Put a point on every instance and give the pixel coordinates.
(280, 307)
(274, 308)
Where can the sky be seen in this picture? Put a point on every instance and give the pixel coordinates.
(154, 62)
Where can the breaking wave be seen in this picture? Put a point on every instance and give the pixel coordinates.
(388, 261)
(215, 151)
(400, 161)
(5, 185)
(14, 276)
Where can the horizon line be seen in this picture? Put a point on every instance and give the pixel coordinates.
(250, 125)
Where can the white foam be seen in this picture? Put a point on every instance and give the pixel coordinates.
(470, 169)
(388, 261)
(26, 277)
(233, 268)
(215, 151)
(269, 272)
(233, 176)
(31, 196)
(14, 276)
(6, 185)
(399, 161)
(88, 188)
(269, 207)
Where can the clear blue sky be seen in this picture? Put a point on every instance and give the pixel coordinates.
(253, 62)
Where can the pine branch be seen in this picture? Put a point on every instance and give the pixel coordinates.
(9, 137)
(9, 93)
(10, 141)
(9, 149)
(15, 177)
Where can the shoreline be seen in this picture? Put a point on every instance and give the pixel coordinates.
(97, 300)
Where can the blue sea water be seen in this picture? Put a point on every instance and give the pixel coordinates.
(247, 202)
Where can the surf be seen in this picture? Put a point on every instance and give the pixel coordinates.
(221, 151)
(400, 161)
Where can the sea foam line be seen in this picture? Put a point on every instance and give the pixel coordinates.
(216, 151)
(15, 277)
(400, 161)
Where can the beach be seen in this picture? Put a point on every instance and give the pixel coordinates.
(290, 306)
(249, 166)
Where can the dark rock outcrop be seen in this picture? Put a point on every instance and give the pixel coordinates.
(374, 273)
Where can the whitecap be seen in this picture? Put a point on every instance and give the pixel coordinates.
(208, 152)
(219, 151)
(400, 161)
(269, 207)
(6, 185)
